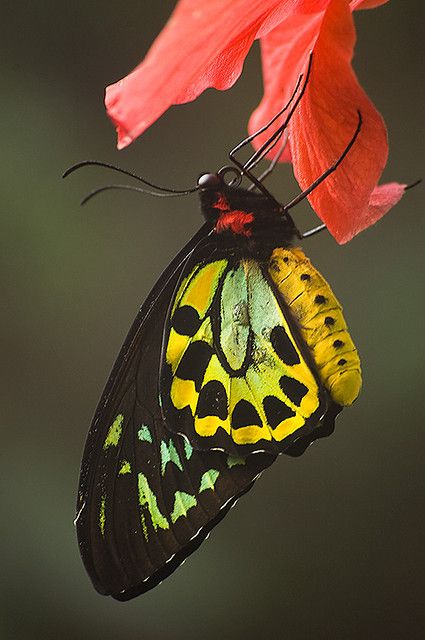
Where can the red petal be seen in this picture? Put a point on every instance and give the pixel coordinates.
(203, 45)
(382, 199)
(366, 4)
(284, 52)
(325, 122)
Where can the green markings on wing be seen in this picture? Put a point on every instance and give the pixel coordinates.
(234, 460)
(114, 432)
(151, 516)
(144, 526)
(102, 515)
(188, 449)
(208, 480)
(144, 434)
(182, 503)
(125, 468)
(149, 504)
(148, 500)
(169, 454)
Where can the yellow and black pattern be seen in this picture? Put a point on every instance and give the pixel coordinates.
(238, 372)
(321, 323)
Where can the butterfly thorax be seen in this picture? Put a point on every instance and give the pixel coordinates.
(247, 222)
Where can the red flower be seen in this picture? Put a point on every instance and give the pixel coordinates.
(204, 44)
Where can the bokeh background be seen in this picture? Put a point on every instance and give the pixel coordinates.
(327, 546)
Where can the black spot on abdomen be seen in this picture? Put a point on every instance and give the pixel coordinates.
(212, 401)
(186, 321)
(194, 362)
(294, 389)
(283, 346)
(244, 415)
(276, 411)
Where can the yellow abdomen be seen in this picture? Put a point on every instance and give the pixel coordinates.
(321, 323)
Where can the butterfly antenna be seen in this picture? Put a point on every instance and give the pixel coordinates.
(98, 163)
(129, 187)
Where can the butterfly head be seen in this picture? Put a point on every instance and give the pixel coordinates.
(243, 214)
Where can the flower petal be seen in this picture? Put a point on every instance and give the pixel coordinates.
(382, 199)
(284, 52)
(203, 45)
(366, 4)
(324, 123)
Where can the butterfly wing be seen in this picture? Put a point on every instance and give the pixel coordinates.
(236, 373)
(146, 497)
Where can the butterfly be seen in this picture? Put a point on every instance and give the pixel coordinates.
(239, 353)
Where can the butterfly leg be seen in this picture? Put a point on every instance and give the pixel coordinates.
(322, 227)
(312, 232)
(273, 163)
(271, 141)
(331, 169)
(268, 145)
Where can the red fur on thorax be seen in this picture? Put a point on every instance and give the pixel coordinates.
(232, 220)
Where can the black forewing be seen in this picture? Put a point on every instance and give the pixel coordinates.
(146, 499)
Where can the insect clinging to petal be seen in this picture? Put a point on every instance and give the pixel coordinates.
(240, 353)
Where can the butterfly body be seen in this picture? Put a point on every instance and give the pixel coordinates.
(231, 361)
(321, 322)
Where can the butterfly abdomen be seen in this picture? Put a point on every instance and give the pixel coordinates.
(321, 323)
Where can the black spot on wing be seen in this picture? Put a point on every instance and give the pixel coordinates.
(283, 346)
(194, 362)
(294, 389)
(212, 400)
(276, 411)
(244, 415)
(186, 321)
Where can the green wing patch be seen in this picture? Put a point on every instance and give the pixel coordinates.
(234, 373)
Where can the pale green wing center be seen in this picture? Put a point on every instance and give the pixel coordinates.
(234, 318)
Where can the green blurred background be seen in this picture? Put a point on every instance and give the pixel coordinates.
(327, 546)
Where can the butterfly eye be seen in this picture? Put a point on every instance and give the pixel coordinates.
(209, 181)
